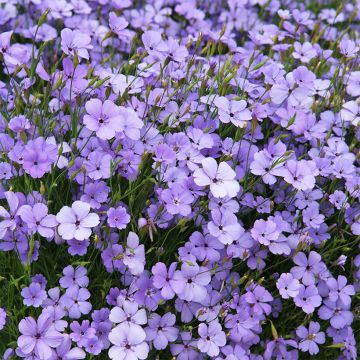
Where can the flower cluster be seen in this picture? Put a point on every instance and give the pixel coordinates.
(179, 179)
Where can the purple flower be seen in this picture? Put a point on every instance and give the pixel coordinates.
(187, 349)
(233, 111)
(196, 279)
(134, 255)
(351, 112)
(33, 295)
(153, 42)
(177, 200)
(98, 165)
(74, 277)
(118, 218)
(307, 267)
(76, 221)
(263, 166)
(19, 123)
(161, 330)
(103, 118)
(9, 217)
(94, 346)
(265, 231)
(128, 344)
(38, 156)
(38, 336)
(129, 315)
(75, 41)
(308, 298)
(147, 295)
(312, 217)
(67, 352)
(2, 318)
(310, 338)
(288, 286)
(348, 48)
(118, 25)
(259, 298)
(224, 226)
(338, 314)
(170, 281)
(220, 178)
(38, 219)
(212, 338)
(304, 52)
(339, 290)
(95, 194)
(75, 301)
(297, 173)
(81, 333)
(352, 87)
(78, 247)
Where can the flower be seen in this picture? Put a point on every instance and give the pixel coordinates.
(161, 330)
(117, 24)
(304, 52)
(224, 226)
(38, 220)
(177, 200)
(38, 336)
(94, 346)
(38, 156)
(76, 221)
(153, 42)
(297, 173)
(310, 337)
(348, 48)
(351, 112)
(129, 315)
(308, 298)
(128, 344)
(9, 217)
(75, 301)
(66, 351)
(307, 267)
(339, 290)
(118, 218)
(81, 333)
(134, 255)
(170, 281)
(75, 41)
(288, 286)
(196, 278)
(259, 297)
(267, 233)
(233, 111)
(339, 314)
(185, 350)
(212, 337)
(312, 217)
(73, 277)
(33, 295)
(221, 178)
(103, 118)
(2, 318)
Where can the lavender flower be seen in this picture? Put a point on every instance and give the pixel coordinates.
(76, 221)
(221, 178)
(38, 337)
(310, 337)
(212, 337)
